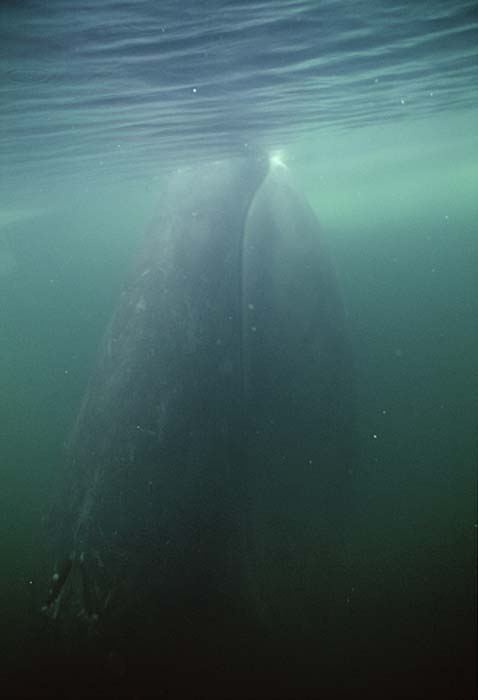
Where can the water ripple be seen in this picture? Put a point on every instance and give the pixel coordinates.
(80, 81)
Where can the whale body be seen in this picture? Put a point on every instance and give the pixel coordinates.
(205, 480)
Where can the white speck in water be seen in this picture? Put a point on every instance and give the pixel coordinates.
(375, 436)
(141, 305)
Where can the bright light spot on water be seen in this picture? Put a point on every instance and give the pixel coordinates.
(276, 159)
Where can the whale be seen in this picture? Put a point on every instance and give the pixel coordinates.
(200, 519)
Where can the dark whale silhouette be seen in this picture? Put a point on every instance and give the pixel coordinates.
(206, 477)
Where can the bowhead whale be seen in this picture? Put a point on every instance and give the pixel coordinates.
(205, 479)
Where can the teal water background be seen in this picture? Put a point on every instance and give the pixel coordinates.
(397, 198)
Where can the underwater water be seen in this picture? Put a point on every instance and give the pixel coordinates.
(373, 107)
